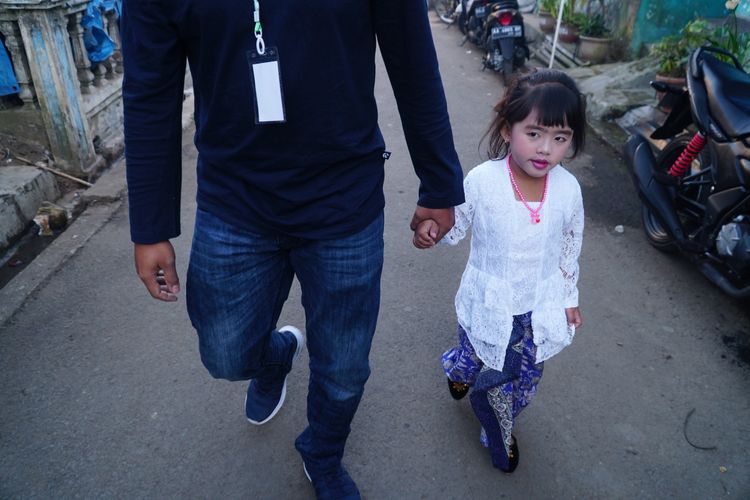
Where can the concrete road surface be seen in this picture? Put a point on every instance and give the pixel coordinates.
(102, 393)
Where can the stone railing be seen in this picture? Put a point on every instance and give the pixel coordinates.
(68, 104)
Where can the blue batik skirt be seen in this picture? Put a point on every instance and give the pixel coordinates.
(497, 397)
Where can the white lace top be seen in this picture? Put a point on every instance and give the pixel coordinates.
(515, 266)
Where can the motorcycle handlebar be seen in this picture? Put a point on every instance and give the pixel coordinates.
(667, 87)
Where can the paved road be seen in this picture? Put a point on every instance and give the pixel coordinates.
(102, 393)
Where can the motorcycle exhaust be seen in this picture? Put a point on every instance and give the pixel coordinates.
(717, 278)
(642, 165)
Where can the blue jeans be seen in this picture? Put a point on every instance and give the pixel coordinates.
(237, 284)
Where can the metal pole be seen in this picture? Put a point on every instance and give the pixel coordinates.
(557, 29)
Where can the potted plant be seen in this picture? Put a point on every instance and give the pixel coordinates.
(570, 21)
(672, 52)
(594, 38)
(548, 14)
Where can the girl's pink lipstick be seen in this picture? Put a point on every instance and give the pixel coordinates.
(540, 164)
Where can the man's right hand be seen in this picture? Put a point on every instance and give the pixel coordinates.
(155, 266)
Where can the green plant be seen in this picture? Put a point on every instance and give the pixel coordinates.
(593, 26)
(728, 38)
(570, 13)
(549, 6)
(673, 50)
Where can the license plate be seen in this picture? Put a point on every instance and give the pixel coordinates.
(481, 11)
(512, 31)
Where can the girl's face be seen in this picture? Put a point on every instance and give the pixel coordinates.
(535, 148)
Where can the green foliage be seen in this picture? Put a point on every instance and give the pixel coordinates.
(728, 38)
(570, 14)
(549, 6)
(553, 7)
(593, 26)
(673, 50)
(589, 24)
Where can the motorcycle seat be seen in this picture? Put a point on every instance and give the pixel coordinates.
(728, 90)
(508, 4)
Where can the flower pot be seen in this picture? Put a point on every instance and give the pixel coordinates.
(594, 50)
(546, 22)
(568, 33)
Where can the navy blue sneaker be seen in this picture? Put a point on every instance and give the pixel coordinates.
(263, 401)
(335, 485)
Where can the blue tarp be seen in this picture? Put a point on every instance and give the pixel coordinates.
(98, 43)
(8, 82)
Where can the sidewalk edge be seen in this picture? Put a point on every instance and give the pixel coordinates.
(15, 294)
(17, 291)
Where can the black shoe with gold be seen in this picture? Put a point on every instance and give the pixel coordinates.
(458, 389)
(512, 456)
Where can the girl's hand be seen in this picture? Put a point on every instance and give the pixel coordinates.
(574, 316)
(425, 234)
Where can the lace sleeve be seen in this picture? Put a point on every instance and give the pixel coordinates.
(571, 250)
(464, 217)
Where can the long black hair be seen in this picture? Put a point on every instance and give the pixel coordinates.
(555, 98)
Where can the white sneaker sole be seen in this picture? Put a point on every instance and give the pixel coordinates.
(300, 345)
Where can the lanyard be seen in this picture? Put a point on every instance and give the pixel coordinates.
(260, 45)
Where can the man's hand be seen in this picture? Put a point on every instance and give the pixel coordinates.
(443, 217)
(155, 266)
(574, 316)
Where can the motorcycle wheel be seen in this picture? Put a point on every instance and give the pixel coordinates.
(507, 71)
(463, 23)
(445, 10)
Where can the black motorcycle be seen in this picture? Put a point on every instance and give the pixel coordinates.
(696, 191)
(472, 20)
(505, 40)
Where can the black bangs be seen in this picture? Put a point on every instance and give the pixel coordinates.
(555, 98)
(555, 104)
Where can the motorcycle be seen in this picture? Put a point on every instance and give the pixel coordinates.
(473, 23)
(505, 40)
(696, 192)
(446, 10)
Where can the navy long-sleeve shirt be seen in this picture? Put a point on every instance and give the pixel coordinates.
(318, 175)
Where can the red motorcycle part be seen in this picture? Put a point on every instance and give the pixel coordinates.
(505, 18)
(694, 147)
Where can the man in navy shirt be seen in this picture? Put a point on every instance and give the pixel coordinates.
(290, 182)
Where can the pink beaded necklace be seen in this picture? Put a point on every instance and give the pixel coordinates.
(535, 218)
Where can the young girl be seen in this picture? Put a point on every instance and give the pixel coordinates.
(517, 304)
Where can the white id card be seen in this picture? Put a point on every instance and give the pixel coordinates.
(266, 80)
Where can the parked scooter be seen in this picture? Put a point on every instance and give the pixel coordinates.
(505, 42)
(473, 24)
(696, 192)
(447, 10)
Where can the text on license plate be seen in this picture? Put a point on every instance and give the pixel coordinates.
(506, 31)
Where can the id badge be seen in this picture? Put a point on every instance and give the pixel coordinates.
(266, 80)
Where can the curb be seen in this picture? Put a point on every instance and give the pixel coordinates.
(22, 286)
(610, 134)
(102, 200)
